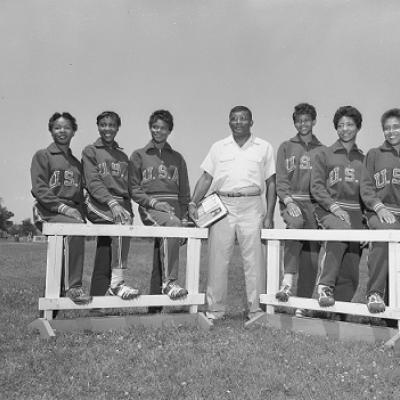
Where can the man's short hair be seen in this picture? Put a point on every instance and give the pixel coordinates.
(393, 112)
(239, 109)
(165, 116)
(110, 114)
(304, 109)
(65, 115)
(348, 111)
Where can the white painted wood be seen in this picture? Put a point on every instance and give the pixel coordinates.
(193, 269)
(123, 230)
(53, 269)
(339, 307)
(273, 253)
(351, 235)
(64, 303)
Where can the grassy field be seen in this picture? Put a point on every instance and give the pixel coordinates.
(227, 362)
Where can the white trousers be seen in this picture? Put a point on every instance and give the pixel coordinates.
(243, 223)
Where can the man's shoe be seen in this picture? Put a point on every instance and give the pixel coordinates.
(78, 296)
(325, 296)
(284, 293)
(123, 291)
(173, 290)
(375, 303)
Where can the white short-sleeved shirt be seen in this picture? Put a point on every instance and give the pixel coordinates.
(233, 167)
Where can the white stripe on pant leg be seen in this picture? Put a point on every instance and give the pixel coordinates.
(322, 263)
(164, 259)
(66, 263)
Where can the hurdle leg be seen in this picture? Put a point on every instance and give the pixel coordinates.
(273, 269)
(53, 270)
(193, 269)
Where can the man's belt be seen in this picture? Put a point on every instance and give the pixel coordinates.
(244, 193)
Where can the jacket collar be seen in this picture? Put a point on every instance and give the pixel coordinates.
(314, 141)
(337, 146)
(99, 144)
(54, 149)
(385, 146)
(151, 146)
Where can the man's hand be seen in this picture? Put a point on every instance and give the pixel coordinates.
(193, 212)
(293, 209)
(386, 216)
(164, 206)
(343, 215)
(268, 222)
(73, 213)
(120, 215)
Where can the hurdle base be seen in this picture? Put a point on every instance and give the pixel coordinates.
(333, 329)
(49, 328)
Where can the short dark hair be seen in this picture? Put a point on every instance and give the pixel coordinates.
(393, 112)
(110, 114)
(165, 116)
(348, 111)
(304, 109)
(65, 115)
(239, 109)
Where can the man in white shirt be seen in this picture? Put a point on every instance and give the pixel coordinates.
(241, 169)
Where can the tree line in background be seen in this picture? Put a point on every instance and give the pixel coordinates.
(7, 227)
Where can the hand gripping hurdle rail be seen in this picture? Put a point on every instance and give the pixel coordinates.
(52, 301)
(341, 330)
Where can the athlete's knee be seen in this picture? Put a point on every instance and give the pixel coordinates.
(295, 222)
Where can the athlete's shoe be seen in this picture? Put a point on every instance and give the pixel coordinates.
(300, 313)
(173, 290)
(78, 296)
(375, 303)
(123, 291)
(284, 293)
(325, 296)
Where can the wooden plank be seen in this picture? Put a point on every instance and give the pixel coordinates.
(53, 270)
(339, 307)
(193, 269)
(44, 328)
(123, 230)
(273, 254)
(332, 329)
(111, 323)
(64, 303)
(353, 235)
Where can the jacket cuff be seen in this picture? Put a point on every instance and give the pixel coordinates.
(288, 200)
(112, 203)
(378, 207)
(62, 208)
(334, 207)
(152, 203)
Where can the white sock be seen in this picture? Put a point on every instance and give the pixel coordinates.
(117, 277)
(287, 280)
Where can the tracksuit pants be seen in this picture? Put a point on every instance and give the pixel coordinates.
(340, 266)
(243, 222)
(166, 250)
(378, 259)
(302, 256)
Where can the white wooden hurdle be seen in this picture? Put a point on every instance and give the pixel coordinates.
(52, 301)
(323, 327)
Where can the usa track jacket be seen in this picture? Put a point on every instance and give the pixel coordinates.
(380, 179)
(158, 174)
(293, 169)
(56, 179)
(335, 178)
(106, 172)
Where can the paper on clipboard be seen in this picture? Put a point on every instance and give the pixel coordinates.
(210, 210)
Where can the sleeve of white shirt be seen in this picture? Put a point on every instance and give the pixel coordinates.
(269, 162)
(209, 163)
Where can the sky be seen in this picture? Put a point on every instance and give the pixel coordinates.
(197, 59)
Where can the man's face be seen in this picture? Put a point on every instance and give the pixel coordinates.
(62, 132)
(347, 129)
(240, 123)
(159, 131)
(108, 129)
(391, 130)
(304, 124)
